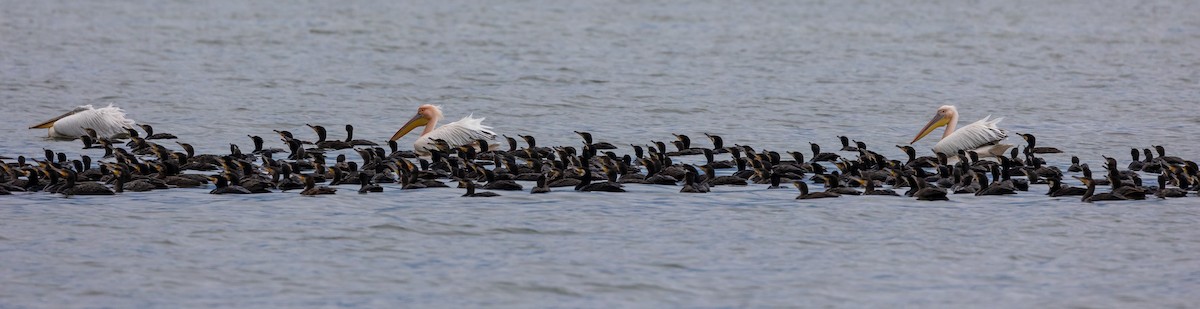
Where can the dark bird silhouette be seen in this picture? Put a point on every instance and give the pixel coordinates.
(1090, 195)
(224, 187)
(541, 187)
(151, 135)
(311, 188)
(819, 156)
(805, 195)
(471, 189)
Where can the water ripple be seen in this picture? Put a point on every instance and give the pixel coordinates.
(1092, 78)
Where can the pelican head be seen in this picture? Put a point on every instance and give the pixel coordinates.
(946, 115)
(425, 115)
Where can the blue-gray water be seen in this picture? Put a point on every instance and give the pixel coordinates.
(1091, 77)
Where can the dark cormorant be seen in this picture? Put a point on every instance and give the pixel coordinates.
(471, 189)
(151, 135)
(223, 186)
(804, 195)
(311, 188)
(541, 187)
(1090, 194)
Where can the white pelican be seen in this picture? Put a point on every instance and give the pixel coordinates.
(981, 136)
(107, 121)
(462, 132)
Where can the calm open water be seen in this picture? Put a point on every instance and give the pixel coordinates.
(1091, 77)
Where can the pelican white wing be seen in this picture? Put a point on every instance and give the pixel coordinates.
(974, 136)
(107, 121)
(462, 132)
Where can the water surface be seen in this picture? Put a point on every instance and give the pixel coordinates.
(1092, 78)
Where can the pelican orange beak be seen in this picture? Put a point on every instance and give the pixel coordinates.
(416, 121)
(50, 123)
(47, 124)
(938, 120)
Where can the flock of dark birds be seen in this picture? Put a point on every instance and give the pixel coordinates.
(145, 163)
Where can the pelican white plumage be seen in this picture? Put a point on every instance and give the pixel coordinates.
(107, 121)
(462, 132)
(981, 136)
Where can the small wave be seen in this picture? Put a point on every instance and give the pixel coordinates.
(368, 85)
(639, 287)
(451, 233)
(676, 110)
(216, 42)
(517, 287)
(165, 242)
(534, 78)
(670, 266)
(523, 230)
(91, 293)
(328, 238)
(389, 226)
